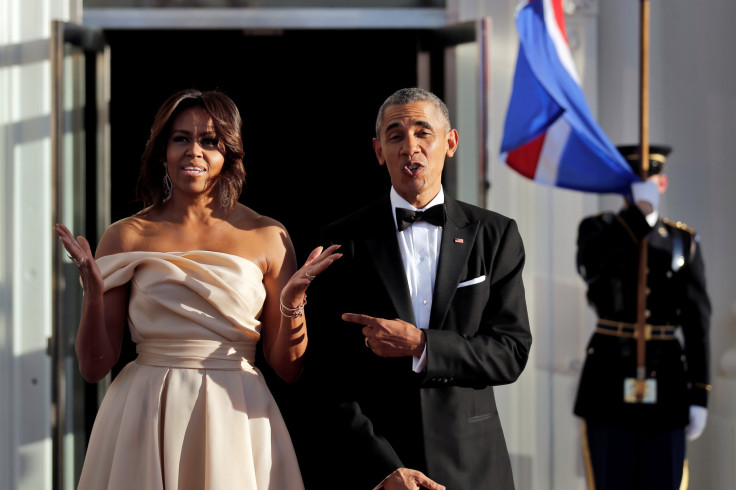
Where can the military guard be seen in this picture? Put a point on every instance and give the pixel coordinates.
(636, 440)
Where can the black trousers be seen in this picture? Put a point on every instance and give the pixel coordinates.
(634, 459)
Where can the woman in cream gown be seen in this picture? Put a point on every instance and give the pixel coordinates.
(199, 279)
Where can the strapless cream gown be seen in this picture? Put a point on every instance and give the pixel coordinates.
(191, 412)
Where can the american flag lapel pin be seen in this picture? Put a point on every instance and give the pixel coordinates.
(458, 240)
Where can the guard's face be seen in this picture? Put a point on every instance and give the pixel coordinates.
(413, 145)
(660, 180)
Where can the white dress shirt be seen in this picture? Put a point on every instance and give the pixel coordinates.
(420, 250)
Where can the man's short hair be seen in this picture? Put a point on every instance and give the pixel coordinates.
(410, 96)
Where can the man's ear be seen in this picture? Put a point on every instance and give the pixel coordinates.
(662, 183)
(379, 151)
(452, 141)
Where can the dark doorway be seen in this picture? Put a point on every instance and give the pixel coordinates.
(308, 100)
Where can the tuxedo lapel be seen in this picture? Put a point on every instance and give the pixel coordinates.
(458, 237)
(383, 247)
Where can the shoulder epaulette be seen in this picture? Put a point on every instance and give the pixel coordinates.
(679, 225)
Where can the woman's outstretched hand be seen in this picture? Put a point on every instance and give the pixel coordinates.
(80, 253)
(320, 259)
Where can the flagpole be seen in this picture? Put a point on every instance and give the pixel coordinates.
(644, 90)
(644, 168)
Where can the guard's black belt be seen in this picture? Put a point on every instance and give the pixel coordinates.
(628, 330)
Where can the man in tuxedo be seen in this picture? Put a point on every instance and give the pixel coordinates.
(410, 331)
(636, 439)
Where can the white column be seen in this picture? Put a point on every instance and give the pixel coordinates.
(26, 241)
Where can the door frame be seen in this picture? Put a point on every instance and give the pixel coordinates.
(91, 216)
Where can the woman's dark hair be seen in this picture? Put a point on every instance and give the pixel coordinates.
(226, 119)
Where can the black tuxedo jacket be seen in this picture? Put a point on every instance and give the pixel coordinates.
(376, 413)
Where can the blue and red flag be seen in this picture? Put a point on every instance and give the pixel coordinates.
(550, 135)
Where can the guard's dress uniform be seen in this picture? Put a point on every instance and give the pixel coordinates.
(641, 445)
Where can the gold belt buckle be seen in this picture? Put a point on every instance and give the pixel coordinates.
(632, 385)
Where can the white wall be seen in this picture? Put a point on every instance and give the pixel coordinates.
(25, 241)
(693, 108)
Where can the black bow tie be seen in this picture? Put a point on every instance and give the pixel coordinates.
(434, 215)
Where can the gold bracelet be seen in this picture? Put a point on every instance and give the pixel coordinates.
(292, 312)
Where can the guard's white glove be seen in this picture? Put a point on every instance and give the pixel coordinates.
(698, 417)
(646, 191)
